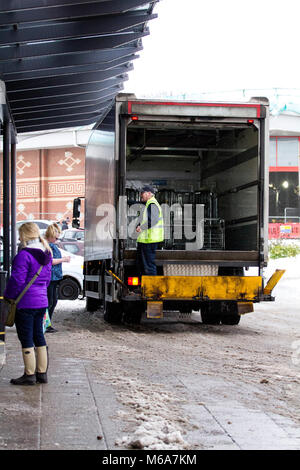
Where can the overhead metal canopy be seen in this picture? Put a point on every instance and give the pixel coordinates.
(64, 61)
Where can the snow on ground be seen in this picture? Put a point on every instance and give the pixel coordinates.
(291, 265)
(288, 288)
(134, 361)
(289, 285)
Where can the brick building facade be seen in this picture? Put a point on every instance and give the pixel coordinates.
(47, 182)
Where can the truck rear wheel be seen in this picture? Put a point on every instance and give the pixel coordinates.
(231, 320)
(210, 314)
(112, 313)
(132, 318)
(230, 314)
(92, 304)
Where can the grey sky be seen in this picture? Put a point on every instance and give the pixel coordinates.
(198, 46)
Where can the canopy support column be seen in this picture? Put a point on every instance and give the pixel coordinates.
(13, 195)
(6, 195)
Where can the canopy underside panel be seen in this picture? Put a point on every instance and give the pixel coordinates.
(64, 62)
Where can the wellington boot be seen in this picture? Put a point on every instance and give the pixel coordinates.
(28, 378)
(42, 361)
(29, 360)
(41, 377)
(24, 380)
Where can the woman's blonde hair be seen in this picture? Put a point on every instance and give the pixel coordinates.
(52, 231)
(30, 231)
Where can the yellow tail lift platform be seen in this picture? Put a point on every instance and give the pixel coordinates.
(272, 282)
(239, 288)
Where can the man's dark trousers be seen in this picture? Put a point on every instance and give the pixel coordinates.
(146, 258)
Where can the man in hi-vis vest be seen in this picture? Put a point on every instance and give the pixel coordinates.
(151, 232)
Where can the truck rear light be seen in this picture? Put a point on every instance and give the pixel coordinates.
(134, 118)
(250, 121)
(133, 281)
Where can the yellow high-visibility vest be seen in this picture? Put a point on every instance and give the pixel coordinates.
(153, 234)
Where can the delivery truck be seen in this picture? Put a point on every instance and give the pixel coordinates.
(208, 165)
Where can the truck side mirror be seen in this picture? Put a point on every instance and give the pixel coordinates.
(76, 213)
(76, 208)
(75, 223)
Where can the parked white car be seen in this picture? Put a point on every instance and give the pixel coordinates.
(71, 285)
(41, 223)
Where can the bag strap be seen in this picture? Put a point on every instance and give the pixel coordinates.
(28, 285)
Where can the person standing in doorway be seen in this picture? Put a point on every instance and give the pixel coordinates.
(52, 235)
(151, 232)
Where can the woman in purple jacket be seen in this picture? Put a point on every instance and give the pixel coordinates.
(32, 306)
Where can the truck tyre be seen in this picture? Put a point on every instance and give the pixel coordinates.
(231, 320)
(68, 289)
(132, 318)
(230, 314)
(210, 314)
(133, 311)
(92, 304)
(112, 313)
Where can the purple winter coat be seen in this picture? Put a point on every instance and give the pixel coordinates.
(25, 265)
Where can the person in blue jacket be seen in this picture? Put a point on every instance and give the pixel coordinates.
(52, 235)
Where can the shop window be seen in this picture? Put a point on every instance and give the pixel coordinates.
(287, 151)
(283, 194)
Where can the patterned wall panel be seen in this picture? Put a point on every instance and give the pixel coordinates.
(48, 181)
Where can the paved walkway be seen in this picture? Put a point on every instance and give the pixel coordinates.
(72, 411)
(76, 411)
